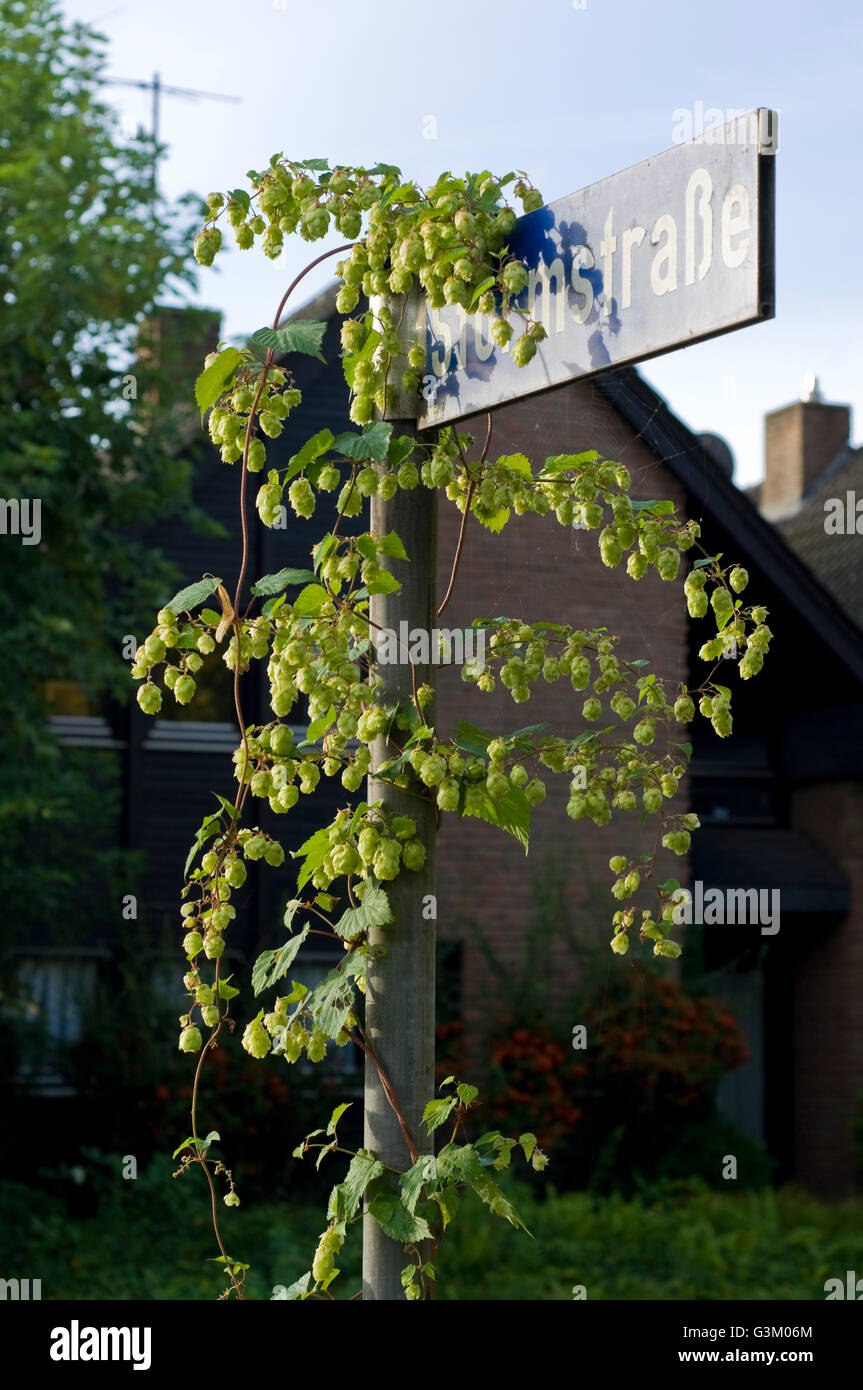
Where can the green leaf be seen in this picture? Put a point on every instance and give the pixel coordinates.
(511, 813)
(413, 1181)
(239, 195)
(391, 545)
(458, 1163)
(193, 594)
(664, 508)
(273, 965)
(528, 1143)
(209, 827)
(400, 448)
(313, 448)
(437, 1112)
(298, 1290)
(708, 560)
(318, 166)
(371, 444)
(488, 1191)
(447, 1200)
(481, 289)
(275, 583)
(310, 600)
(518, 463)
(384, 583)
(319, 726)
(337, 1115)
(313, 852)
(227, 991)
(214, 379)
(199, 1144)
(373, 911)
(397, 1222)
(467, 1094)
(300, 336)
(470, 738)
(364, 1168)
(497, 522)
(350, 360)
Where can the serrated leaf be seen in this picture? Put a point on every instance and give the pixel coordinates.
(437, 1112)
(528, 1143)
(214, 379)
(300, 336)
(488, 1191)
(210, 826)
(510, 813)
(397, 1222)
(298, 1290)
(364, 1169)
(319, 726)
(275, 583)
(313, 448)
(413, 1181)
(317, 165)
(313, 853)
(273, 965)
(391, 545)
(383, 583)
(447, 1200)
(310, 600)
(337, 1115)
(470, 738)
(371, 444)
(467, 1094)
(240, 195)
(458, 1163)
(193, 594)
(373, 911)
(496, 522)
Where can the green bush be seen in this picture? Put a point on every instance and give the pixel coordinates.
(150, 1237)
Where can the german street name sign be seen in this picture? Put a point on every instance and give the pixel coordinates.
(669, 252)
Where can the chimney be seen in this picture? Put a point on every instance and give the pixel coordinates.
(800, 441)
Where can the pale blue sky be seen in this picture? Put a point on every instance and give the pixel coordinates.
(569, 94)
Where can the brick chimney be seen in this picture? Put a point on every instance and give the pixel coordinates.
(800, 441)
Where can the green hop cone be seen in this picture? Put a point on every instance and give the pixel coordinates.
(149, 698)
(617, 864)
(738, 579)
(684, 710)
(210, 1015)
(190, 1040)
(184, 690)
(193, 943)
(644, 731)
(636, 565)
(667, 564)
(255, 1039)
(301, 495)
(620, 943)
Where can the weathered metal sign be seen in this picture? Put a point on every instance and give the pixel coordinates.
(672, 251)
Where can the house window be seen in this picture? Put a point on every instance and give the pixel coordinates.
(54, 992)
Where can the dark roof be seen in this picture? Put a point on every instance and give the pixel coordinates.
(836, 558)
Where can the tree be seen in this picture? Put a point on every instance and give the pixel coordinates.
(87, 447)
(336, 642)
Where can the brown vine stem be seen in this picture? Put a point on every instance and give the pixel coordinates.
(359, 1038)
(463, 527)
(241, 790)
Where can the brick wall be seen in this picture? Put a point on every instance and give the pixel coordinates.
(537, 570)
(800, 440)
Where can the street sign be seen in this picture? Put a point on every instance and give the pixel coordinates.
(669, 252)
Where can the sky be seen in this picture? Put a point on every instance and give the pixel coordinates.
(569, 90)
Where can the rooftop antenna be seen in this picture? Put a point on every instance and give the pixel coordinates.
(811, 390)
(158, 88)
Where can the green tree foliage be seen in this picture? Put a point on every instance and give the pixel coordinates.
(86, 248)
